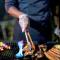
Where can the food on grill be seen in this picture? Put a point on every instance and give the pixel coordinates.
(4, 46)
(57, 46)
(53, 53)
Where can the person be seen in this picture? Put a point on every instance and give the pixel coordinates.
(32, 15)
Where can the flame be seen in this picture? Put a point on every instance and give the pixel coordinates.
(20, 53)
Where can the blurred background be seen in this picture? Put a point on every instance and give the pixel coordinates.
(7, 22)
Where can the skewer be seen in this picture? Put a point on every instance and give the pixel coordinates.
(29, 48)
(27, 40)
(33, 46)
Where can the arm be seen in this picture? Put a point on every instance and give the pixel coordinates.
(11, 9)
(10, 6)
(14, 12)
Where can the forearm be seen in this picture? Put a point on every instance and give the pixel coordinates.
(14, 12)
(23, 19)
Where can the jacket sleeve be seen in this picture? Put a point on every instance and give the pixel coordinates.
(9, 3)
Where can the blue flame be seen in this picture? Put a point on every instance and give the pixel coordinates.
(20, 53)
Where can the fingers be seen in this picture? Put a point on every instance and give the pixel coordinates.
(23, 22)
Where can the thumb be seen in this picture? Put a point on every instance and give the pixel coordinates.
(23, 29)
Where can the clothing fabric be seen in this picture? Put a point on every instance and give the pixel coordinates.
(39, 15)
(35, 9)
(40, 32)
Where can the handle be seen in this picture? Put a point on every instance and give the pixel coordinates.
(33, 46)
(27, 40)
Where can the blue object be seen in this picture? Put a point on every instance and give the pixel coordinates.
(20, 53)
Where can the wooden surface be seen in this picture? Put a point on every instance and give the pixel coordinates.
(53, 54)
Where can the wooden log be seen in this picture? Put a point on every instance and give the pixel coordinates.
(55, 50)
(48, 56)
(53, 54)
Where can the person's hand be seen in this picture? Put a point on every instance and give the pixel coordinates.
(23, 22)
